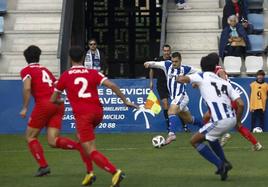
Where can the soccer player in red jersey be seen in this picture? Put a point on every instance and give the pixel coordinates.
(81, 85)
(241, 129)
(39, 82)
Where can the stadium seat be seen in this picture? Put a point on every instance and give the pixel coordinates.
(257, 44)
(3, 6)
(1, 25)
(253, 64)
(255, 4)
(232, 64)
(257, 20)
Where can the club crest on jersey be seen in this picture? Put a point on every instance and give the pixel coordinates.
(243, 94)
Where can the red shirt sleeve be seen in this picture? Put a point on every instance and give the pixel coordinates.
(60, 86)
(25, 73)
(99, 77)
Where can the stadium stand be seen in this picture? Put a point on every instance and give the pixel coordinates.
(257, 44)
(232, 64)
(257, 20)
(30, 22)
(253, 63)
(196, 32)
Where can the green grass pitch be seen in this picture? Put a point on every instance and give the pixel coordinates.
(177, 165)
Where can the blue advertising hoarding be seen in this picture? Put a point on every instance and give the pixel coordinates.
(117, 117)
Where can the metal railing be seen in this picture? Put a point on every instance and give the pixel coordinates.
(163, 25)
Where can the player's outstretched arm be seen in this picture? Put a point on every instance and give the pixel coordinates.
(26, 96)
(240, 110)
(183, 79)
(55, 98)
(153, 64)
(117, 91)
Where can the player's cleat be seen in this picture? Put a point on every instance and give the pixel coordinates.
(257, 147)
(42, 171)
(228, 166)
(89, 179)
(117, 178)
(225, 138)
(170, 138)
(223, 171)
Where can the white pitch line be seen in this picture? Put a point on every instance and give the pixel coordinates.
(123, 149)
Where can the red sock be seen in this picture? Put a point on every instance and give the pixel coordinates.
(86, 159)
(65, 143)
(102, 162)
(247, 134)
(37, 152)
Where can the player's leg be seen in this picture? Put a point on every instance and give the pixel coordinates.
(197, 141)
(250, 137)
(57, 141)
(85, 128)
(36, 122)
(37, 151)
(165, 111)
(172, 115)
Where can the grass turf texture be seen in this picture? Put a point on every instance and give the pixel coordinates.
(175, 165)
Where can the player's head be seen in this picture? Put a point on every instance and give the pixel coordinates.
(76, 54)
(92, 44)
(215, 57)
(260, 76)
(166, 51)
(32, 54)
(176, 59)
(208, 64)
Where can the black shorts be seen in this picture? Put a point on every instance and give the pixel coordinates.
(162, 91)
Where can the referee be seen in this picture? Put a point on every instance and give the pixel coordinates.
(162, 84)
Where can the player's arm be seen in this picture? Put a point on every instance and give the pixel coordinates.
(117, 91)
(183, 79)
(55, 98)
(157, 65)
(240, 110)
(239, 102)
(26, 96)
(222, 74)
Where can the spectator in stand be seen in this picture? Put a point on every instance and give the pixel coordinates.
(240, 9)
(234, 39)
(258, 97)
(182, 5)
(95, 59)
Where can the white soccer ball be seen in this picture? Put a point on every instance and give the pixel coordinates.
(257, 130)
(158, 141)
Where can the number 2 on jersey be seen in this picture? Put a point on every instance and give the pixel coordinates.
(82, 92)
(46, 78)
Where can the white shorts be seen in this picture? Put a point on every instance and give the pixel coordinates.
(182, 101)
(214, 130)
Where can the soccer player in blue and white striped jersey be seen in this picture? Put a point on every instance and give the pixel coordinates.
(218, 94)
(177, 92)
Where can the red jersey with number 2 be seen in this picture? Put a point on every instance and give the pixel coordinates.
(42, 81)
(81, 85)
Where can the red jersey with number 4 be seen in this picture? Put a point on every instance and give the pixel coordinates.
(42, 81)
(81, 85)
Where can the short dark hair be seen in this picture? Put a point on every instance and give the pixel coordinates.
(166, 45)
(208, 64)
(32, 54)
(76, 53)
(92, 39)
(261, 72)
(176, 54)
(214, 57)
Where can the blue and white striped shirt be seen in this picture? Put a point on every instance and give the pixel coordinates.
(175, 88)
